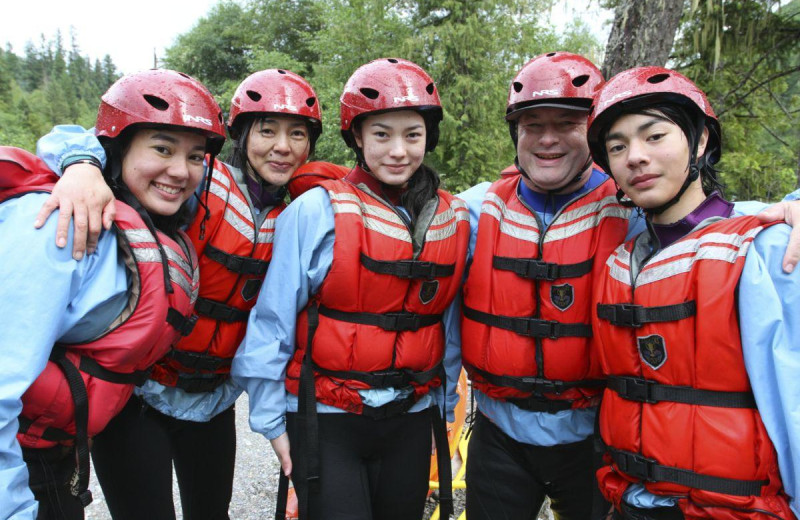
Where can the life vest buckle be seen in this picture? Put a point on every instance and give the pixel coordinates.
(636, 389)
(627, 315)
(637, 465)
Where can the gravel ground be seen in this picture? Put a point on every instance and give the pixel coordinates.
(255, 479)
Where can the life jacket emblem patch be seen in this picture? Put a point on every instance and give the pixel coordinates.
(562, 296)
(250, 288)
(652, 350)
(428, 291)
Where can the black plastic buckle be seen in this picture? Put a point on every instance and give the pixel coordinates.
(535, 328)
(636, 389)
(85, 497)
(544, 386)
(638, 466)
(401, 321)
(627, 315)
(542, 270)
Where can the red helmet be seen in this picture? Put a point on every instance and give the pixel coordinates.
(391, 84)
(644, 86)
(161, 97)
(277, 91)
(556, 79)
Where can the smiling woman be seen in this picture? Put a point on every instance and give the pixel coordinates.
(109, 318)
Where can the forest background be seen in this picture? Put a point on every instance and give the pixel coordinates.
(745, 54)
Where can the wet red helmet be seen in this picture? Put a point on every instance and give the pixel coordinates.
(276, 91)
(391, 84)
(161, 97)
(643, 86)
(555, 79)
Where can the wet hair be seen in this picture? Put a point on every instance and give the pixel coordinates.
(421, 188)
(691, 122)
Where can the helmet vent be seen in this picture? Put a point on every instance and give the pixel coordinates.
(392, 60)
(311, 101)
(255, 96)
(430, 88)
(281, 71)
(580, 80)
(156, 102)
(370, 93)
(658, 78)
(184, 75)
(550, 55)
(517, 87)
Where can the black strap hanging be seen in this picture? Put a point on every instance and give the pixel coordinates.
(439, 426)
(80, 399)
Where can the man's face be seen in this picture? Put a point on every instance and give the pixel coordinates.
(551, 146)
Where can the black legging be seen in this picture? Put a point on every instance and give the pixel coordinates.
(369, 469)
(134, 455)
(50, 472)
(508, 480)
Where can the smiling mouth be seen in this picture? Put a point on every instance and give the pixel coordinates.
(167, 189)
(549, 156)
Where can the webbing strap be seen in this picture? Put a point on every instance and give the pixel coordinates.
(629, 315)
(439, 426)
(538, 270)
(199, 360)
(307, 418)
(650, 470)
(93, 368)
(391, 321)
(235, 263)
(408, 268)
(531, 327)
(49, 434)
(533, 384)
(383, 379)
(180, 322)
(197, 384)
(283, 496)
(219, 311)
(648, 391)
(80, 399)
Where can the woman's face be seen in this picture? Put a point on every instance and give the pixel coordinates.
(162, 168)
(649, 157)
(277, 146)
(393, 144)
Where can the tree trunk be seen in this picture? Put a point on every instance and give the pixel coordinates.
(642, 34)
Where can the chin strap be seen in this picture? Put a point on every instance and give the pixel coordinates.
(575, 179)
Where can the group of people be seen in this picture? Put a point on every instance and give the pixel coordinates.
(604, 271)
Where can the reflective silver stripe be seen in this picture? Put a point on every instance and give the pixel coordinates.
(139, 236)
(267, 232)
(620, 273)
(510, 220)
(708, 247)
(243, 227)
(373, 217)
(173, 256)
(221, 177)
(179, 275)
(232, 199)
(561, 233)
(176, 276)
(433, 235)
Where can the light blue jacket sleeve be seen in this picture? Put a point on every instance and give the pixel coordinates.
(43, 294)
(65, 142)
(302, 255)
(769, 313)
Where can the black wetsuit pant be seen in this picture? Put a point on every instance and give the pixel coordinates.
(369, 469)
(133, 458)
(508, 480)
(50, 474)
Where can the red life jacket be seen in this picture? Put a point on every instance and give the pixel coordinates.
(678, 414)
(526, 312)
(379, 308)
(234, 251)
(311, 174)
(110, 365)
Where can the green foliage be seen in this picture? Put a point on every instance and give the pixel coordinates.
(744, 55)
(47, 86)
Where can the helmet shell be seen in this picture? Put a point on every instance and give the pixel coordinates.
(555, 79)
(276, 91)
(643, 86)
(161, 97)
(389, 84)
